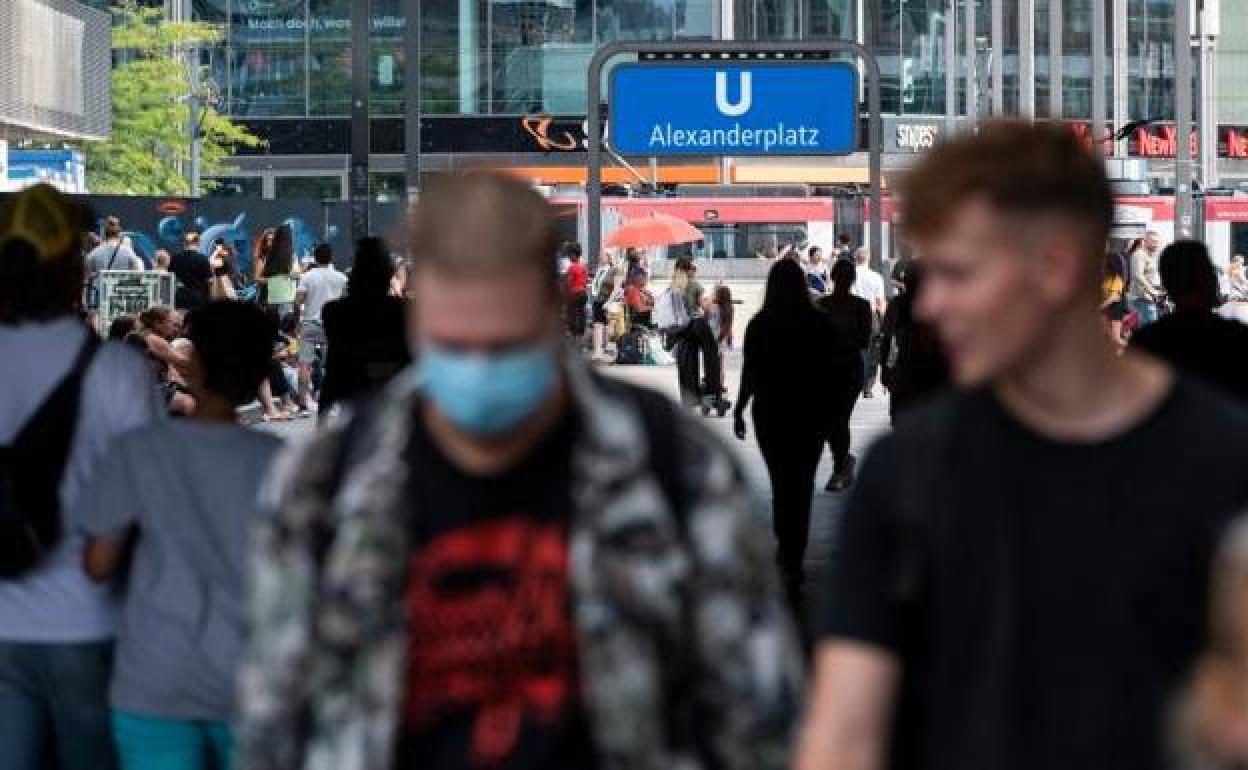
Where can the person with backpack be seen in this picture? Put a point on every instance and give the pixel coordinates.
(913, 365)
(509, 560)
(113, 253)
(63, 398)
(184, 493)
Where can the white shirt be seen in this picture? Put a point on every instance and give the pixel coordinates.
(57, 602)
(320, 285)
(112, 255)
(869, 286)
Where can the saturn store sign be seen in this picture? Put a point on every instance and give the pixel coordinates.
(916, 137)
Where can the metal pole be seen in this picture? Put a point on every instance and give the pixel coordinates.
(411, 100)
(1121, 112)
(997, 32)
(875, 125)
(1208, 35)
(1183, 119)
(972, 93)
(1056, 61)
(1097, 127)
(951, 67)
(1027, 59)
(361, 20)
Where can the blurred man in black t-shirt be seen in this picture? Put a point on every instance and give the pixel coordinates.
(1022, 573)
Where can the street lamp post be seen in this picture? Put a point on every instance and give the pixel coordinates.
(361, 20)
(1183, 119)
(411, 98)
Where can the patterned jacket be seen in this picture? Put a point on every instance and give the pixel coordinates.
(687, 655)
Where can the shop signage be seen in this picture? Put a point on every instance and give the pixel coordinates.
(916, 137)
(730, 108)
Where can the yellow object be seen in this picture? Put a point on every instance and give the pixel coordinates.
(39, 215)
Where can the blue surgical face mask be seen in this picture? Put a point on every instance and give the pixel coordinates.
(488, 394)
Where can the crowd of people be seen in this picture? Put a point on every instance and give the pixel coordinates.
(505, 558)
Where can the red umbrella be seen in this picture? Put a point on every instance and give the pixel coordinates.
(654, 230)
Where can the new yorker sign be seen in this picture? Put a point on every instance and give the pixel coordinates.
(734, 108)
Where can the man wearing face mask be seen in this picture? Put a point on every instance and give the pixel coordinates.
(508, 561)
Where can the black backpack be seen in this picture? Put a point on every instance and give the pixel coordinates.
(31, 469)
(631, 348)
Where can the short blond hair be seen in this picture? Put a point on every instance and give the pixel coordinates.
(481, 224)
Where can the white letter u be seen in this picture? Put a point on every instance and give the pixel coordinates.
(744, 101)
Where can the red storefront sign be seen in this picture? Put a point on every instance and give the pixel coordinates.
(1161, 140)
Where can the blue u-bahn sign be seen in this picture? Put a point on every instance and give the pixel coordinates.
(734, 108)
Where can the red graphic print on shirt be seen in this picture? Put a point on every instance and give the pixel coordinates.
(490, 631)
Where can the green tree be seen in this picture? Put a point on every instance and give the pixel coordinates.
(150, 144)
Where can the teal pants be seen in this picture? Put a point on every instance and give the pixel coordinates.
(153, 743)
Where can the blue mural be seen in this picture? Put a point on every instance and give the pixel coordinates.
(171, 232)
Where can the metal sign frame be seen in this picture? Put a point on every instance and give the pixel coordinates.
(733, 52)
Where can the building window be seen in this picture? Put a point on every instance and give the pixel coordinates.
(321, 188)
(237, 187)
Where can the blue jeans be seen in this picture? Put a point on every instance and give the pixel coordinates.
(54, 703)
(1146, 309)
(155, 743)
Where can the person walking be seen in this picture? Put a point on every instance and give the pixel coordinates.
(279, 273)
(576, 290)
(851, 319)
(1194, 338)
(1145, 293)
(63, 398)
(870, 287)
(1022, 573)
(365, 330)
(1210, 718)
(508, 560)
(193, 272)
(914, 366)
(184, 492)
(786, 343)
(816, 271)
(320, 285)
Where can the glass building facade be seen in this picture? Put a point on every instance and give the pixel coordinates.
(291, 58)
(283, 68)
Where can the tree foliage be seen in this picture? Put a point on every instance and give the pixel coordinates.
(151, 144)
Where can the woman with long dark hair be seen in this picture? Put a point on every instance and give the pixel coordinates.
(365, 330)
(786, 359)
(280, 272)
(851, 319)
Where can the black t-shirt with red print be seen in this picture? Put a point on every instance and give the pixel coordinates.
(492, 679)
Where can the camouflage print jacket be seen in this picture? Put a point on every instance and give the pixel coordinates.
(687, 654)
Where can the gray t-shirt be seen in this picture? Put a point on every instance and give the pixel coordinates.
(192, 489)
(111, 255)
(56, 602)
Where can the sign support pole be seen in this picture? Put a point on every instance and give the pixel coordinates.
(357, 179)
(688, 52)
